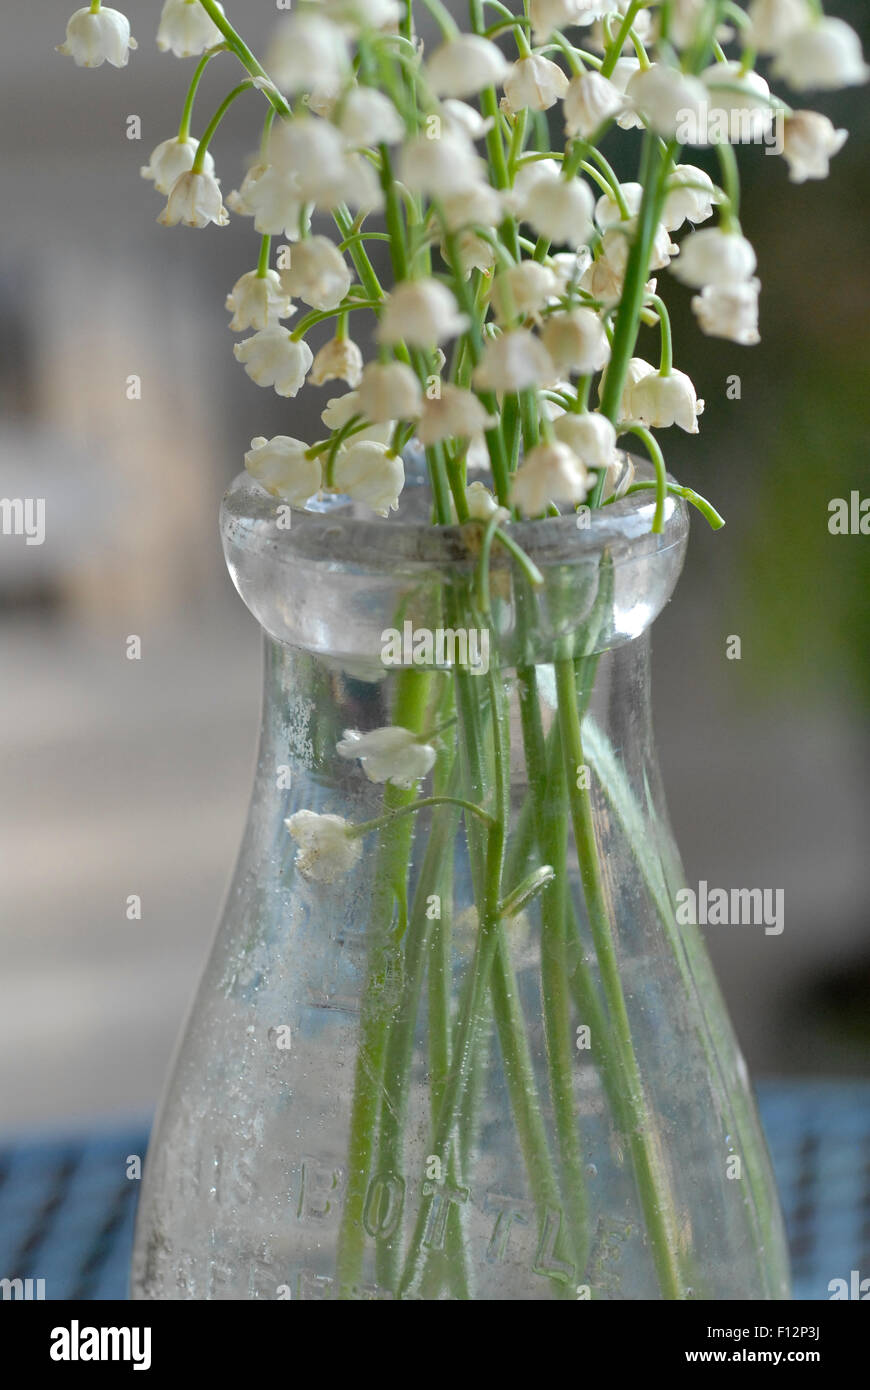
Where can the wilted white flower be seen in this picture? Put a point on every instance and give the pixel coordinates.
(371, 473)
(464, 65)
(561, 209)
(744, 94)
(576, 342)
(522, 290)
(659, 401)
(809, 142)
(391, 754)
(589, 435)
(326, 852)
(824, 57)
(514, 361)
(535, 83)
(317, 273)
(441, 167)
(338, 360)
(421, 313)
(194, 200)
(389, 391)
(257, 300)
(281, 466)
(773, 21)
(94, 39)
(455, 414)
(368, 117)
(667, 98)
(729, 311)
(186, 30)
(308, 51)
(273, 358)
(590, 101)
(691, 195)
(715, 257)
(170, 160)
(550, 473)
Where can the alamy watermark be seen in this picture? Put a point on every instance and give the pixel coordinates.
(739, 907)
(465, 647)
(23, 516)
(740, 125)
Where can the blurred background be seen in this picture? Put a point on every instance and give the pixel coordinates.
(129, 777)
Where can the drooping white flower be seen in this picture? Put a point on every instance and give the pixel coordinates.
(561, 209)
(547, 15)
(622, 74)
(809, 142)
(389, 391)
(455, 414)
(338, 360)
(514, 361)
(550, 473)
(739, 101)
(256, 300)
(660, 401)
(391, 754)
(773, 21)
(368, 117)
(441, 167)
(589, 435)
(308, 51)
(482, 505)
(479, 206)
(683, 22)
(729, 311)
(421, 313)
(464, 65)
(318, 274)
(170, 160)
(671, 101)
(607, 210)
(463, 119)
(94, 39)
(356, 15)
(313, 153)
(340, 409)
(636, 371)
(534, 83)
(326, 852)
(715, 257)
(273, 358)
(590, 101)
(823, 57)
(576, 342)
(370, 473)
(617, 242)
(195, 201)
(186, 30)
(691, 196)
(522, 290)
(280, 466)
(272, 198)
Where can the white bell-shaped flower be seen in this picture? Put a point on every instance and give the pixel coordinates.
(326, 852)
(561, 209)
(478, 206)
(547, 15)
(576, 342)
(308, 51)
(522, 290)
(274, 201)
(318, 274)
(672, 102)
(464, 65)
(170, 160)
(257, 300)
(729, 311)
(195, 201)
(482, 504)
(660, 401)
(550, 473)
(454, 414)
(281, 466)
(607, 210)
(636, 371)
(691, 197)
(460, 118)
(774, 21)
(338, 360)
(534, 83)
(589, 435)
(809, 142)
(368, 117)
(622, 74)
(389, 391)
(186, 30)
(273, 358)
(340, 409)
(94, 39)
(370, 473)
(441, 167)
(715, 257)
(421, 313)
(514, 361)
(312, 152)
(391, 754)
(739, 102)
(590, 101)
(823, 57)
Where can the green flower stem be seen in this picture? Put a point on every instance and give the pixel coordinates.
(614, 49)
(661, 482)
(237, 45)
(380, 822)
(706, 508)
(187, 109)
(653, 1188)
(390, 874)
(199, 158)
(666, 360)
(263, 261)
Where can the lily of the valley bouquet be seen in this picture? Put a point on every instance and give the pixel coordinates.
(514, 1114)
